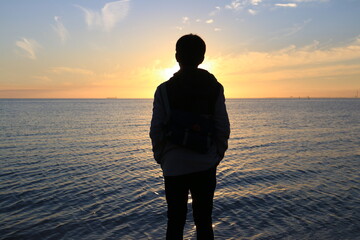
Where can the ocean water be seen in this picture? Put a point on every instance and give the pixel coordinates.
(83, 169)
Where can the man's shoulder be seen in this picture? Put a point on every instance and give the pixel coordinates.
(199, 73)
(161, 85)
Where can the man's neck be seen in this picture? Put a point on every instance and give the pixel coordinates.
(188, 68)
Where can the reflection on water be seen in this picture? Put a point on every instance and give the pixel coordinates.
(83, 169)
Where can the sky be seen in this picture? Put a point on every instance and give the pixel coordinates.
(126, 48)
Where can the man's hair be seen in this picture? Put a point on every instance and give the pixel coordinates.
(190, 50)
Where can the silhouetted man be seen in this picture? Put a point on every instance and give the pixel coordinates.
(189, 132)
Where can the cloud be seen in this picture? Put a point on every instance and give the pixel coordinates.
(216, 11)
(253, 6)
(292, 5)
(108, 17)
(185, 20)
(240, 4)
(310, 1)
(235, 5)
(250, 6)
(42, 78)
(293, 61)
(314, 70)
(255, 2)
(291, 30)
(252, 11)
(60, 29)
(80, 71)
(210, 21)
(29, 47)
(113, 12)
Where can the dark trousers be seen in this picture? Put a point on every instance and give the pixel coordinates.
(202, 187)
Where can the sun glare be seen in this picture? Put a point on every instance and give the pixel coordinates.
(206, 65)
(167, 73)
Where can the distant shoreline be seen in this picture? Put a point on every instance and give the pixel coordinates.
(115, 98)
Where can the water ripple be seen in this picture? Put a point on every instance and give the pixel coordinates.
(83, 169)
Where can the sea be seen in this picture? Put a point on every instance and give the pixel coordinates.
(84, 169)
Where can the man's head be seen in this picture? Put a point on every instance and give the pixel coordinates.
(190, 50)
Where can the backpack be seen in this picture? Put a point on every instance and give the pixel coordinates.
(188, 129)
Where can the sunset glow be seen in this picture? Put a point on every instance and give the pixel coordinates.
(167, 73)
(99, 49)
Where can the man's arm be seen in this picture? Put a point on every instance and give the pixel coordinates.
(222, 124)
(157, 126)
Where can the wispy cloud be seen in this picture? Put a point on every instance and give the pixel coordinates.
(42, 78)
(240, 4)
(61, 70)
(185, 20)
(292, 30)
(250, 6)
(310, 1)
(235, 5)
(60, 29)
(215, 11)
(108, 16)
(28, 47)
(291, 5)
(252, 11)
(255, 2)
(295, 69)
(253, 6)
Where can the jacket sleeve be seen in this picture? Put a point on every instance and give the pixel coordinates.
(222, 124)
(157, 126)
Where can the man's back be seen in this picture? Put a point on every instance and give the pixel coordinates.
(193, 90)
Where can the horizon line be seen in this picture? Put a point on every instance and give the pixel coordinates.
(139, 98)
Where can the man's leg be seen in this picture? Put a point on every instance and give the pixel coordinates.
(176, 191)
(202, 189)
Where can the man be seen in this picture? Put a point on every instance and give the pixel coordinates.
(189, 93)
